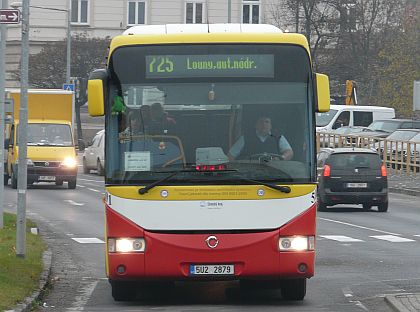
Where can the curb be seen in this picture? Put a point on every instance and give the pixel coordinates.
(28, 302)
(403, 302)
(405, 191)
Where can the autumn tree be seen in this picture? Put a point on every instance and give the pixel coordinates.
(47, 69)
(399, 65)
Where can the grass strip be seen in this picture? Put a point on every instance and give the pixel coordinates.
(19, 277)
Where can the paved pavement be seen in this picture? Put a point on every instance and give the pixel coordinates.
(405, 302)
(410, 185)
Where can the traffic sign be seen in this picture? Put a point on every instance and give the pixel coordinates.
(68, 87)
(9, 16)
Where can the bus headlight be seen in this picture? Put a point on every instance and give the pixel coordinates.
(297, 243)
(69, 162)
(126, 244)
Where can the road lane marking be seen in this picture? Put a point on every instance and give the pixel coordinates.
(88, 240)
(341, 238)
(392, 238)
(89, 180)
(93, 190)
(84, 294)
(82, 186)
(71, 202)
(359, 226)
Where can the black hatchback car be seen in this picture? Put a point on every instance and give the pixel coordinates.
(351, 176)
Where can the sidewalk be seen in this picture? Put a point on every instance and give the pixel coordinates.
(410, 185)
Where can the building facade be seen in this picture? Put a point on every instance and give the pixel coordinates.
(102, 18)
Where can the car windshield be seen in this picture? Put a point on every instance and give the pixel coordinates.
(323, 119)
(355, 160)
(196, 121)
(402, 135)
(382, 125)
(48, 134)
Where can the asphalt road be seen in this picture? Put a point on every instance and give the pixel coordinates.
(361, 257)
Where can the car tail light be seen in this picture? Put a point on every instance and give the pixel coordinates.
(327, 171)
(383, 171)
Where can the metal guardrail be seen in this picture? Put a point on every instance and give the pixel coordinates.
(403, 156)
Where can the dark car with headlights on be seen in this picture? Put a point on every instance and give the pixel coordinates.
(351, 176)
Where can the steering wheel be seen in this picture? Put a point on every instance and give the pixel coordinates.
(265, 157)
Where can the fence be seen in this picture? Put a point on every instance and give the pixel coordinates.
(403, 156)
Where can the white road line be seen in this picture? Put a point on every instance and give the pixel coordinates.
(417, 235)
(71, 202)
(93, 190)
(82, 186)
(341, 238)
(83, 296)
(88, 240)
(359, 226)
(97, 181)
(394, 239)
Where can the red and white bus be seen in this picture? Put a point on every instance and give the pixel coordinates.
(177, 99)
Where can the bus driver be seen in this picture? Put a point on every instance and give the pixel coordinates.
(262, 141)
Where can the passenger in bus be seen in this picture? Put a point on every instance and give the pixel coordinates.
(161, 122)
(261, 141)
(137, 121)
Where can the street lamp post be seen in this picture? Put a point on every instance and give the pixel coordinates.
(68, 52)
(23, 121)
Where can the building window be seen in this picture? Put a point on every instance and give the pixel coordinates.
(251, 12)
(194, 12)
(79, 11)
(136, 12)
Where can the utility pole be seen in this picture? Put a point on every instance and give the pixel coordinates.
(3, 38)
(229, 10)
(23, 136)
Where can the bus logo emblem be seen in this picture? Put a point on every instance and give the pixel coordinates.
(212, 241)
(260, 192)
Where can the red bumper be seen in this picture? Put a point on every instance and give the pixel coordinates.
(169, 256)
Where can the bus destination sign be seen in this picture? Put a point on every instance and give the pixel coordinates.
(219, 65)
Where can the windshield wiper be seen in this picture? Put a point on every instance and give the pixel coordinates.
(145, 189)
(284, 189)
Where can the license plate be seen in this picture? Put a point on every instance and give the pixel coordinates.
(46, 178)
(357, 185)
(212, 269)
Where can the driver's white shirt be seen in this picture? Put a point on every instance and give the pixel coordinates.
(238, 146)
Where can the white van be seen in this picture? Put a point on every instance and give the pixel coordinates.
(351, 115)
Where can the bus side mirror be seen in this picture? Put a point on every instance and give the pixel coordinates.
(323, 93)
(96, 92)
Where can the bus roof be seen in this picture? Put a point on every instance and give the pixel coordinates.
(205, 34)
(200, 29)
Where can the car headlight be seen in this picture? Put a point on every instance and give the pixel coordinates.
(126, 245)
(69, 162)
(296, 243)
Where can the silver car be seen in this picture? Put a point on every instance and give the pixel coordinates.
(94, 154)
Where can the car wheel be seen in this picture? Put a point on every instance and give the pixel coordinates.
(14, 180)
(85, 168)
(383, 207)
(321, 205)
(99, 168)
(294, 289)
(366, 207)
(72, 184)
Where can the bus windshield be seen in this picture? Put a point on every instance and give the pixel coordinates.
(196, 111)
